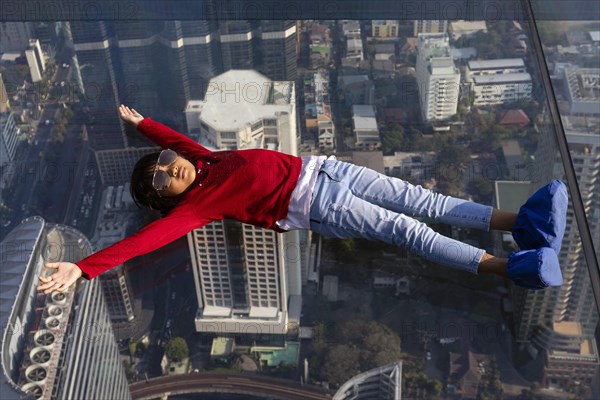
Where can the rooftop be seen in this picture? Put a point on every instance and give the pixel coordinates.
(222, 347)
(238, 97)
(363, 117)
(583, 83)
(363, 111)
(501, 78)
(499, 63)
(568, 328)
(466, 26)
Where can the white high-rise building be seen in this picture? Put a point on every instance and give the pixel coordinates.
(574, 300)
(437, 77)
(383, 383)
(4, 104)
(9, 137)
(14, 36)
(248, 279)
(35, 60)
(60, 345)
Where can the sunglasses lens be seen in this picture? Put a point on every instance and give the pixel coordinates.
(166, 157)
(161, 180)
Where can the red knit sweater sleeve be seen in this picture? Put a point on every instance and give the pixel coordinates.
(180, 221)
(168, 138)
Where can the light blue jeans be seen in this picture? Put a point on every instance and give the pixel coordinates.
(352, 201)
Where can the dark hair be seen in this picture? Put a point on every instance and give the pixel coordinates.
(142, 191)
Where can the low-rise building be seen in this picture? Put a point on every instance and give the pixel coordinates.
(497, 89)
(582, 90)
(458, 29)
(318, 119)
(385, 28)
(354, 48)
(466, 371)
(351, 28)
(429, 26)
(415, 167)
(365, 128)
(385, 51)
(356, 89)
(498, 81)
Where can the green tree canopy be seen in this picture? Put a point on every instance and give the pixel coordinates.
(392, 139)
(341, 363)
(177, 349)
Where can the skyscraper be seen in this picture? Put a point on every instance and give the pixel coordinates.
(14, 36)
(383, 383)
(35, 60)
(277, 49)
(60, 345)
(9, 137)
(95, 66)
(158, 66)
(438, 78)
(574, 300)
(247, 278)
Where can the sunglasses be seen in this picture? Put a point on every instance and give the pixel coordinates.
(161, 179)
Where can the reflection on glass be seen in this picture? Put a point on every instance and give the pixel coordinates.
(454, 106)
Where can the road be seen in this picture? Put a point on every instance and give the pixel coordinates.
(60, 175)
(254, 385)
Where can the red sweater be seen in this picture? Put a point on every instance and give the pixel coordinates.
(252, 186)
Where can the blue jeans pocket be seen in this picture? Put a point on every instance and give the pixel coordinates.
(328, 168)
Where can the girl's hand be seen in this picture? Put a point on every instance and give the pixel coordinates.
(130, 116)
(67, 273)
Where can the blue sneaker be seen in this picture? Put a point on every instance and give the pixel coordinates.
(534, 269)
(541, 220)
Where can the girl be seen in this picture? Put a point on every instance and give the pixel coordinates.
(193, 186)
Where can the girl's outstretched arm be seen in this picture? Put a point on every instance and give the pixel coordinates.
(160, 134)
(151, 237)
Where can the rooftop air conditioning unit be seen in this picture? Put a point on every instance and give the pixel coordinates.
(34, 389)
(36, 374)
(59, 298)
(44, 338)
(40, 356)
(52, 323)
(54, 311)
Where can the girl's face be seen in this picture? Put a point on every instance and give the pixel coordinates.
(182, 173)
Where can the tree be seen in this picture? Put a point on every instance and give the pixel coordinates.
(341, 363)
(345, 249)
(451, 163)
(419, 382)
(318, 346)
(551, 32)
(177, 349)
(392, 138)
(379, 344)
(581, 391)
(482, 186)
